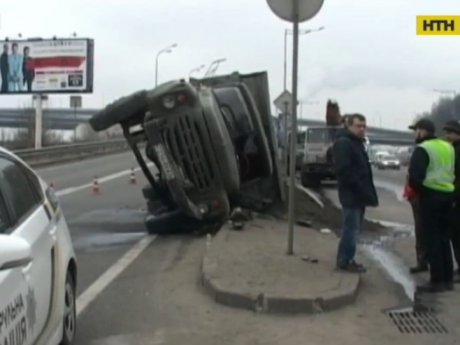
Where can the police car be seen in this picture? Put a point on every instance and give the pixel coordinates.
(37, 261)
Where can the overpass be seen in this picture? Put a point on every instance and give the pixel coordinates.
(376, 135)
(68, 119)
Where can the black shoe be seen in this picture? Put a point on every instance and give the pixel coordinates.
(419, 269)
(352, 267)
(432, 288)
(449, 286)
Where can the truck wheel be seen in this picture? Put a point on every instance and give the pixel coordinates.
(149, 193)
(123, 109)
(311, 181)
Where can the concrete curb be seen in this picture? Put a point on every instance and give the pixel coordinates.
(263, 303)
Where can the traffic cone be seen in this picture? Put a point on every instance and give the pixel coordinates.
(96, 187)
(132, 179)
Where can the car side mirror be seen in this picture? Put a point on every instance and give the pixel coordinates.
(14, 252)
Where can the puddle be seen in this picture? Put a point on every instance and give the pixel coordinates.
(396, 229)
(391, 187)
(102, 241)
(390, 262)
(393, 265)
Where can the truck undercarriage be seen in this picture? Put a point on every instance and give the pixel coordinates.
(211, 143)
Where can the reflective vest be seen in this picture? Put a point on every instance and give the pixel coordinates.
(440, 174)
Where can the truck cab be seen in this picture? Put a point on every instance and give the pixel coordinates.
(318, 162)
(211, 144)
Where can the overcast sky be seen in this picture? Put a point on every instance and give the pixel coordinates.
(368, 57)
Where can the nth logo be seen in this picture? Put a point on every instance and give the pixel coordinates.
(438, 25)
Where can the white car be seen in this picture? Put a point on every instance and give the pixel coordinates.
(38, 270)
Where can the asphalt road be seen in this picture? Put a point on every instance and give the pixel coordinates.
(102, 226)
(139, 289)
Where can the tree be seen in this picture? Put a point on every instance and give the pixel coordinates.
(445, 109)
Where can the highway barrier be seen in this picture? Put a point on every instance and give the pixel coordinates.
(71, 152)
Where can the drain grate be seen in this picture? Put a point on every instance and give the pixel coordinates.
(413, 322)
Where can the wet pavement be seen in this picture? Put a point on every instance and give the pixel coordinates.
(159, 300)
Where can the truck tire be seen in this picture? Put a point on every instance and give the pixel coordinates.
(149, 193)
(310, 181)
(123, 109)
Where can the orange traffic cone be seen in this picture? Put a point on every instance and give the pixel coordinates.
(96, 187)
(132, 179)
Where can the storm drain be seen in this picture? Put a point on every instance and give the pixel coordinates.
(412, 322)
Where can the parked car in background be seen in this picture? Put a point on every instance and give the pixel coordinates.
(388, 162)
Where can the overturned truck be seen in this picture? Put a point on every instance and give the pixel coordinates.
(210, 144)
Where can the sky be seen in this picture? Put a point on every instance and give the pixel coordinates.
(368, 57)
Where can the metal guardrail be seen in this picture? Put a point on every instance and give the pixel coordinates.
(71, 152)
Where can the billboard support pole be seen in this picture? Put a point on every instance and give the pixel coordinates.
(38, 121)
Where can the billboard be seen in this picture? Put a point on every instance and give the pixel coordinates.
(46, 66)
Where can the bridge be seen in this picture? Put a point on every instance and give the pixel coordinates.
(376, 135)
(68, 119)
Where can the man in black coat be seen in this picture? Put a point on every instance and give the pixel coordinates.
(355, 186)
(452, 134)
(4, 69)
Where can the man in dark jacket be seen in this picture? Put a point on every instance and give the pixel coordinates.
(452, 134)
(355, 186)
(431, 175)
(4, 69)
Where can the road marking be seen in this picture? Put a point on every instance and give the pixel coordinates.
(107, 178)
(90, 294)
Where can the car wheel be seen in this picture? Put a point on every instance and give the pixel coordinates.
(70, 312)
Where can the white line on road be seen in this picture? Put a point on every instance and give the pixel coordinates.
(103, 179)
(90, 294)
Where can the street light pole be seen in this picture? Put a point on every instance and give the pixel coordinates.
(165, 50)
(196, 69)
(285, 58)
(214, 66)
(292, 160)
(300, 32)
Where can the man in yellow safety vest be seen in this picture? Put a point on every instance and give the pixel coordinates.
(432, 175)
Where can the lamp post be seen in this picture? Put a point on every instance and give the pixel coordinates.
(294, 11)
(214, 66)
(196, 69)
(163, 51)
(290, 32)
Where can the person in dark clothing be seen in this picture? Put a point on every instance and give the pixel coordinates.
(27, 69)
(4, 69)
(452, 134)
(421, 250)
(431, 175)
(355, 186)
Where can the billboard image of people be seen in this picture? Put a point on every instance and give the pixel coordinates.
(46, 66)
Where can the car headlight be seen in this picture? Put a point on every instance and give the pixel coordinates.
(169, 101)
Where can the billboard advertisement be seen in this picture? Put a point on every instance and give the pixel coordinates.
(46, 66)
